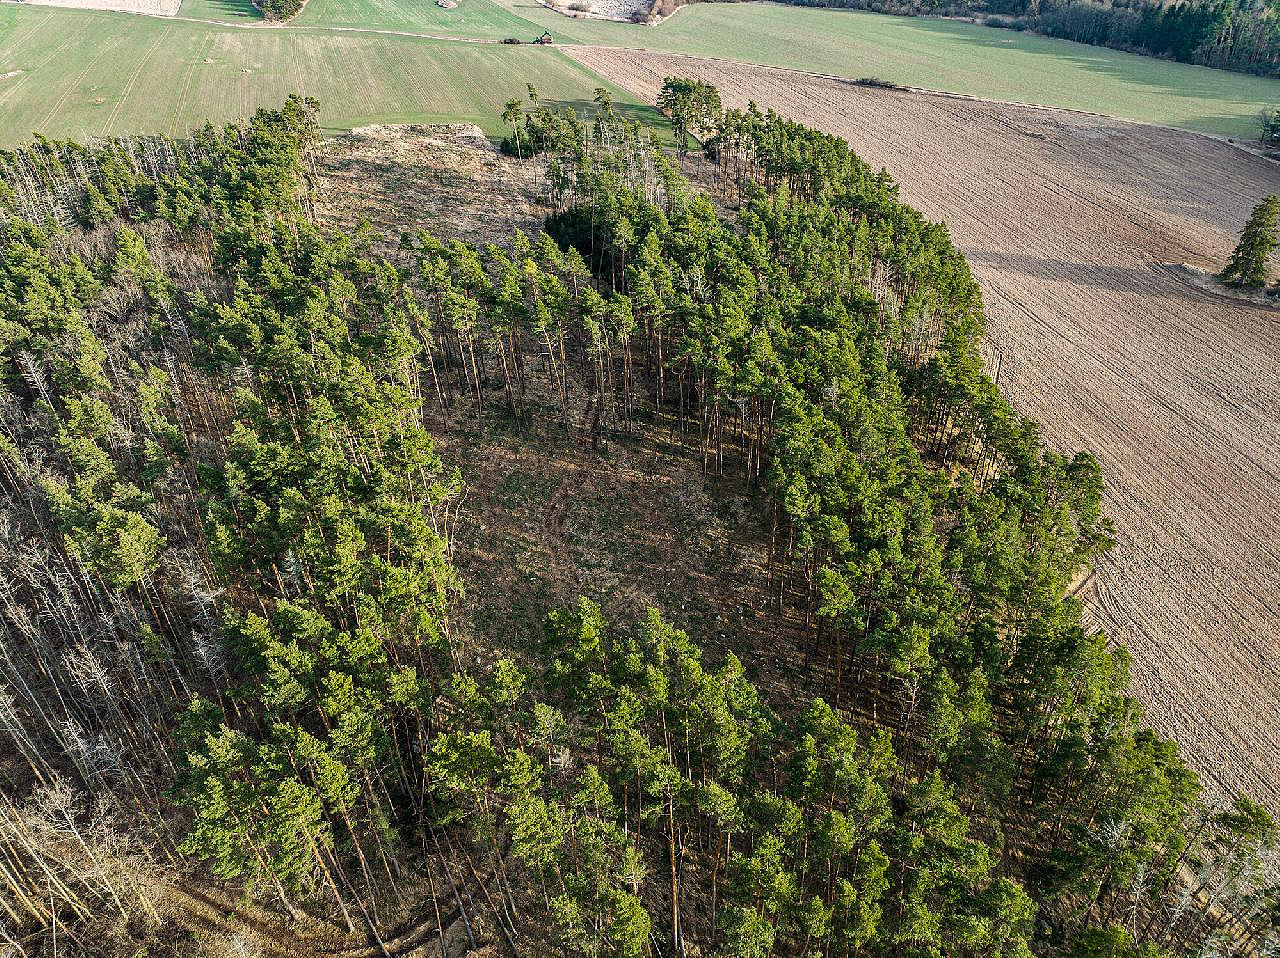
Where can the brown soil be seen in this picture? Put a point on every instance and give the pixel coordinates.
(632, 527)
(1067, 220)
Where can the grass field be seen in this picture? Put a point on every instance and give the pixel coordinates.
(483, 19)
(86, 73)
(942, 55)
(133, 74)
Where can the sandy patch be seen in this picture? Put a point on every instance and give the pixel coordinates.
(623, 11)
(155, 8)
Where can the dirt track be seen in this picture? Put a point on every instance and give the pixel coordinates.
(1067, 220)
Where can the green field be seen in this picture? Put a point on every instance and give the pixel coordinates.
(938, 54)
(483, 19)
(946, 55)
(141, 74)
(85, 73)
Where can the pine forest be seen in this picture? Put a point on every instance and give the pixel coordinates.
(243, 708)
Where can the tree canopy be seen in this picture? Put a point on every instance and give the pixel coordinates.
(235, 622)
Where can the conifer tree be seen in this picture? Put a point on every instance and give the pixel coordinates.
(1248, 265)
(692, 105)
(511, 115)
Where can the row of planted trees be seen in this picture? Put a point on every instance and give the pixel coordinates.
(235, 514)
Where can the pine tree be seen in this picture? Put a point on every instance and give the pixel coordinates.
(1248, 265)
(692, 105)
(511, 115)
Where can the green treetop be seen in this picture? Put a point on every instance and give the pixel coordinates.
(1248, 265)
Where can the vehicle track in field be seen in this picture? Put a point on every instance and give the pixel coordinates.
(1069, 221)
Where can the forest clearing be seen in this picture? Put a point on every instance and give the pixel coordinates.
(778, 482)
(419, 545)
(1068, 221)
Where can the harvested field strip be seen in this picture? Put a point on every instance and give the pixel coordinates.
(151, 8)
(1067, 221)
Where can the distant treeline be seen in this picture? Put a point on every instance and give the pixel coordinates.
(1242, 36)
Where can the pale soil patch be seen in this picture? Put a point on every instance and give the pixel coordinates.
(623, 11)
(1211, 285)
(154, 8)
(1068, 221)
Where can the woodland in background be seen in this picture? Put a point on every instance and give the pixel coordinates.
(231, 658)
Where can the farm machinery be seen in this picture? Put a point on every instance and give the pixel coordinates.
(542, 41)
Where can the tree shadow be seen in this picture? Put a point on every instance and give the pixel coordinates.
(229, 9)
(1141, 280)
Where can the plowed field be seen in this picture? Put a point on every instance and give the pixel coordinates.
(1069, 222)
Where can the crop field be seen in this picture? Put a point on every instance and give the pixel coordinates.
(914, 51)
(480, 19)
(145, 74)
(1068, 222)
(944, 55)
(935, 54)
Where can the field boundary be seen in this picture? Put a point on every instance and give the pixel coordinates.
(927, 91)
(569, 46)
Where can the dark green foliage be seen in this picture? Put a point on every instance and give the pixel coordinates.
(246, 477)
(1248, 265)
(692, 105)
(279, 9)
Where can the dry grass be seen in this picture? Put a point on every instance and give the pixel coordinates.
(447, 179)
(1069, 221)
